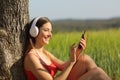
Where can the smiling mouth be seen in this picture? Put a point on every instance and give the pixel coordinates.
(47, 38)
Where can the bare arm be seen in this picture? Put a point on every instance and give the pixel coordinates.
(35, 66)
(42, 74)
(65, 66)
(64, 74)
(59, 63)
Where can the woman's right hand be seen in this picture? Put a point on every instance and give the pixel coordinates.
(73, 53)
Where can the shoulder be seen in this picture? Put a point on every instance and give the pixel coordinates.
(31, 58)
(31, 53)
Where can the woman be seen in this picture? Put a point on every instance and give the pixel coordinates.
(40, 64)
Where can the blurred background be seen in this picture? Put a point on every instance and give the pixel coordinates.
(101, 20)
(77, 15)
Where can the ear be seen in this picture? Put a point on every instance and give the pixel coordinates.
(34, 31)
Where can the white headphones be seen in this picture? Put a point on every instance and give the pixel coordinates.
(34, 29)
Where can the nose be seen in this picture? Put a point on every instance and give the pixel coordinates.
(50, 34)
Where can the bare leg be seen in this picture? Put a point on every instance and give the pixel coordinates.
(84, 64)
(95, 74)
(85, 68)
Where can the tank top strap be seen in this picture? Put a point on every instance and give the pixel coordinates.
(34, 52)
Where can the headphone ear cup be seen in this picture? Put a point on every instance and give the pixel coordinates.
(34, 31)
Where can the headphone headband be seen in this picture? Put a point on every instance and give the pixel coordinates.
(35, 21)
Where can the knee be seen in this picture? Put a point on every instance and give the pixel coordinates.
(85, 58)
(87, 61)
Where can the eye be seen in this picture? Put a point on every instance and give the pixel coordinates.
(45, 29)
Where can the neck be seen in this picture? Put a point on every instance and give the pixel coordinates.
(39, 47)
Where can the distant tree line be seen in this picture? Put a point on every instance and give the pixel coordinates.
(80, 25)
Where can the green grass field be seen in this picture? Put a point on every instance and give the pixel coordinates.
(103, 46)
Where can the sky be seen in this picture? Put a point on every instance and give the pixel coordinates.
(74, 9)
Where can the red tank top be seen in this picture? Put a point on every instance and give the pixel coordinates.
(52, 69)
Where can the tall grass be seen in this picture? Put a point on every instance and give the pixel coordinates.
(102, 46)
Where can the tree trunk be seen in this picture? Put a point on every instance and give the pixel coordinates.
(14, 16)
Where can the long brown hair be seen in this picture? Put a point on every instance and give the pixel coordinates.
(30, 41)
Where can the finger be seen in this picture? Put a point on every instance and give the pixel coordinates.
(83, 42)
(73, 45)
(83, 46)
(72, 48)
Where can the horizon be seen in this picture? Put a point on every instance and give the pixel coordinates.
(75, 9)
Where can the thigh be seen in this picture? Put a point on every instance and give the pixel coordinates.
(95, 74)
(83, 64)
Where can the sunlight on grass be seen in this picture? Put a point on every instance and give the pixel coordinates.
(102, 46)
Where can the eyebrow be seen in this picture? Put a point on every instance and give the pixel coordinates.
(46, 28)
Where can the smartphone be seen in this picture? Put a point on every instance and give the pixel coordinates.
(83, 36)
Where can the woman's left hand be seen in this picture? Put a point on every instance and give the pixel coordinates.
(81, 46)
(82, 43)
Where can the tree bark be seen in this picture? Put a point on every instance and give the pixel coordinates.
(14, 16)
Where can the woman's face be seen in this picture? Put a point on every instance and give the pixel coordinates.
(45, 33)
